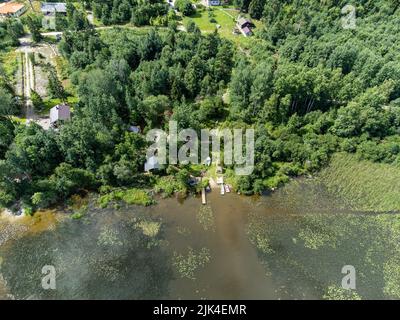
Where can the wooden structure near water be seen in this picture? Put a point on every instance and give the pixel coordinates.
(203, 196)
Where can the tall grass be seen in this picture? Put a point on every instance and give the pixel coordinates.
(364, 185)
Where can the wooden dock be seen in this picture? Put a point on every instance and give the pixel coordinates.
(203, 196)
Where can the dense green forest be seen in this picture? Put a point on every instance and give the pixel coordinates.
(308, 86)
(10, 31)
(139, 12)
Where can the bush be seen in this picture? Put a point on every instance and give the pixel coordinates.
(129, 196)
(37, 101)
(185, 6)
(79, 213)
(169, 185)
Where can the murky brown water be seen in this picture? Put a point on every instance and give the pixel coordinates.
(289, 245)
(234, 272)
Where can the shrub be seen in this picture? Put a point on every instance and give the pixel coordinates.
(129, 196)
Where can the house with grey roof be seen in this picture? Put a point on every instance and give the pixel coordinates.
(245, 26)
(51, 8)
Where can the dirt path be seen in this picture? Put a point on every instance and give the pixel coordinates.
(29, 77)
(29, 84)
(228, 14)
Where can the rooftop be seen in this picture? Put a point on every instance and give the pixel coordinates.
(242, 21)
(53, 7)
(10, 7)
(60, 112)
(246, 30)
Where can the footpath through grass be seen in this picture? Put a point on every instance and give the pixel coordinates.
(365, 186)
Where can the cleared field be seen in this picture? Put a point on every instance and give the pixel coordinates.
(207, 21)
(365, 185)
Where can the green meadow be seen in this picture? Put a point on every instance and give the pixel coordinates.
(209, 20)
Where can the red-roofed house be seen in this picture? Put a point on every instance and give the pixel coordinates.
(11, 9)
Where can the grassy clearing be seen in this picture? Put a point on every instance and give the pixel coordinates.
(366, 186)
(129, 196)
(225, 17)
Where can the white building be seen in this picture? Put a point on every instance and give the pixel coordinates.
(60, 112)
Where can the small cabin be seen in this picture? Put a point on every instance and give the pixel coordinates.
(243, 23)
(245, 26)
(60, 112)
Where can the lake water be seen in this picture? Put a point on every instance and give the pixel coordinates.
(291, 244)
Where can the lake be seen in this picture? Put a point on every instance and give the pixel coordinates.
(291, 244)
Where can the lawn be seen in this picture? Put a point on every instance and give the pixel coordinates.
(225, 18)
(366, 186)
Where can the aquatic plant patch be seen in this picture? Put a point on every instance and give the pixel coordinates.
(187, 265)
(366, 186)
(205, 217)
